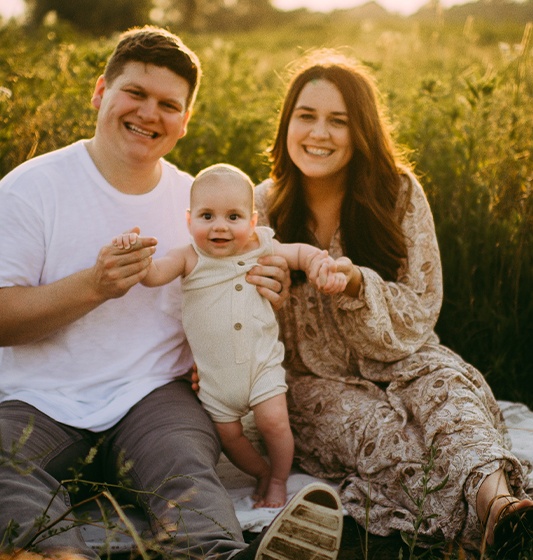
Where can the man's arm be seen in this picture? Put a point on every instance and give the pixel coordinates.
(32, 313)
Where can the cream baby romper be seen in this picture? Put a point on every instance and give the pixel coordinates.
(233, 333)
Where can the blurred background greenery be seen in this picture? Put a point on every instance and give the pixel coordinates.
(457, 83)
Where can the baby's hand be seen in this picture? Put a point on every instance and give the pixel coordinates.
(125, 241)
(329, 280)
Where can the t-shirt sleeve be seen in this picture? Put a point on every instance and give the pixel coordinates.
(22, 249)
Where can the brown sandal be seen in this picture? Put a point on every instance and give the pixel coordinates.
(513, 532)
(502, 510)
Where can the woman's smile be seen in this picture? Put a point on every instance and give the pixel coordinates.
(318, 137)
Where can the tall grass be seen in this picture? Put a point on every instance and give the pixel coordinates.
(461, 106)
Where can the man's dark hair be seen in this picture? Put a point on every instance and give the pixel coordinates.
(153, 45)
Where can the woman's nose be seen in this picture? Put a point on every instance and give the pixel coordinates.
(319, 129)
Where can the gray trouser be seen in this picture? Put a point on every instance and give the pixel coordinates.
(173, 449)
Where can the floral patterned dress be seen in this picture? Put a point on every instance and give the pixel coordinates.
(372, 392)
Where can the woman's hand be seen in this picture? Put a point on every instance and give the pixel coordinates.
(353, 276)
(330, 281)
(272, 278)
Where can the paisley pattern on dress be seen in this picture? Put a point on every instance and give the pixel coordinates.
(371, 391)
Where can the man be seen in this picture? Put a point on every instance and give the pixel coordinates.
(92, 358)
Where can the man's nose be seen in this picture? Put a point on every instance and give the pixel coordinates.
(148, 109)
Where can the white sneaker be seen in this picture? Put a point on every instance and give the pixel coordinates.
(308, 528)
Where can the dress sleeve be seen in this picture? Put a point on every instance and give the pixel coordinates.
(391, 320)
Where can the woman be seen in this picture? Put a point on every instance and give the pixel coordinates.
(373, 397)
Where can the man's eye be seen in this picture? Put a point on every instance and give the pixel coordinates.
(171, 107)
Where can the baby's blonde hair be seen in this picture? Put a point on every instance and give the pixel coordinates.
(228, 170)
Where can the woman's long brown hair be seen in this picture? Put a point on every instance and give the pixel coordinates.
(370, 233)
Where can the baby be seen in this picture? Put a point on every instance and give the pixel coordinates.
(231, 328)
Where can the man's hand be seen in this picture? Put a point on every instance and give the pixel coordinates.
(272, 278)
(122, 264)
(195, 379)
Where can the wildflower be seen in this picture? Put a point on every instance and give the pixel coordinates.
(5, 92)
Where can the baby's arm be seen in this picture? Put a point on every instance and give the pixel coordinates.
(177, 262)
(167, 268)
(320, 268)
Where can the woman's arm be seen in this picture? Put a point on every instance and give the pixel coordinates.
(378, 319)
(353, 276)
(388, 320)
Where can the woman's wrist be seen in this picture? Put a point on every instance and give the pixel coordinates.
(353, 287)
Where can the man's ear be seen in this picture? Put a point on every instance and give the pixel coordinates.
(186, 118)
(98, 93)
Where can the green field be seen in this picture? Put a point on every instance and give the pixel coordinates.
(460, 98)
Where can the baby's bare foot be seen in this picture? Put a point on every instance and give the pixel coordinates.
(276, 494)
(260, 490)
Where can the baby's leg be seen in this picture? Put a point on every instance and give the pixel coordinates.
(240, 451)
(272, 421)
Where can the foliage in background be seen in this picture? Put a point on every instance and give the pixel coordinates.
(102, 17)
(459, 95)
(96, 17)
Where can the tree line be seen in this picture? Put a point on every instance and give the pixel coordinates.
(102, 17)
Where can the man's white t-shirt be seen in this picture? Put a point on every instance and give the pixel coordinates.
(56, 213)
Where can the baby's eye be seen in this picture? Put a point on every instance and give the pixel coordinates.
(207, 215)
(234, 217)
